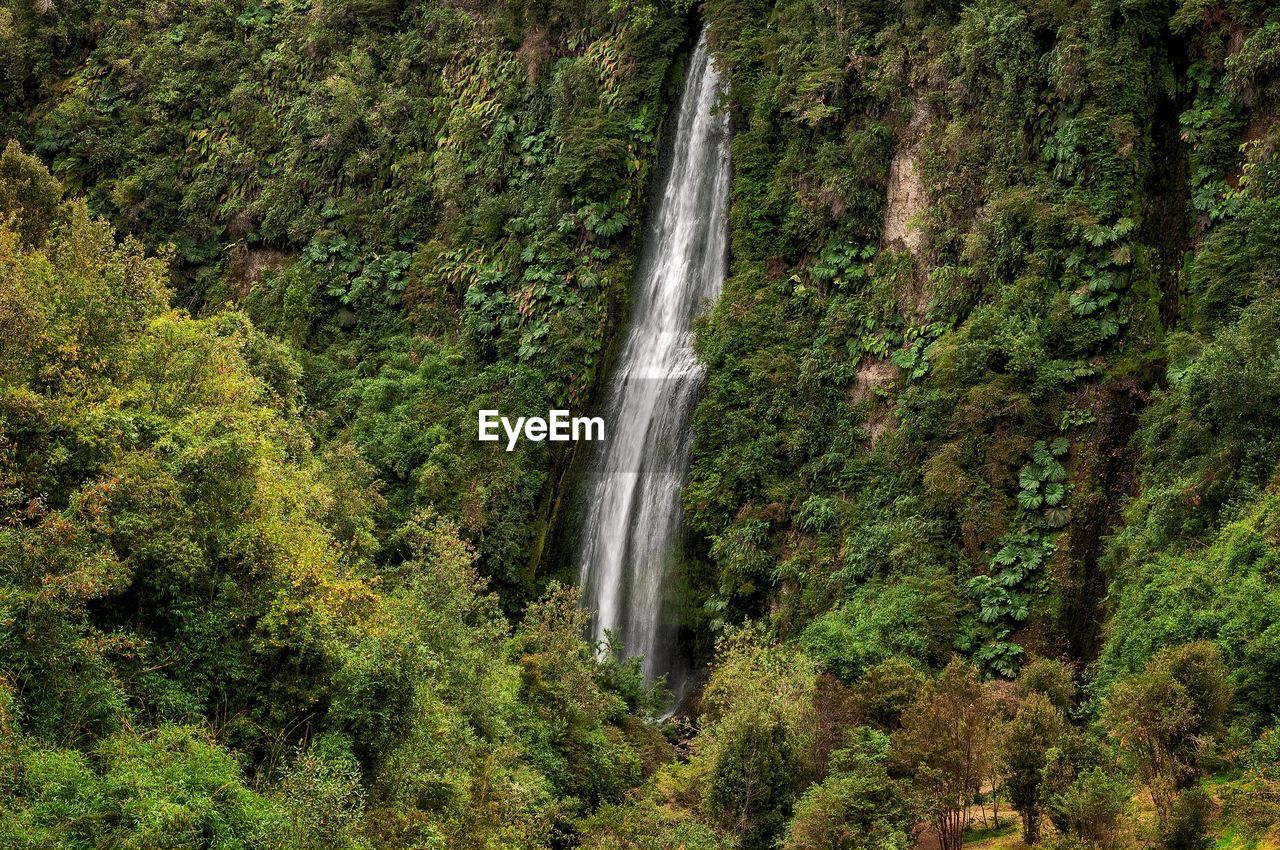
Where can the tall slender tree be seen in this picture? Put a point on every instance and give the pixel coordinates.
(947, 744)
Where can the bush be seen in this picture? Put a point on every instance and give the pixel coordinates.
(1186, 827)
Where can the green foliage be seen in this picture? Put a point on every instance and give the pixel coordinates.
(1037, 727)
(887, 690)
(1051, 679)
(947, 744)
(759, 731)
(173, 788)
(1165, 719)
(259, 585)
(198, 647)
(587, 756)
(1207, 440)
(1223, 593)
(913, 618)
(1212, 128)
(29, 194)
(857, 806)
(754, 783)
(649, 826)
(838, 373)
(1186, 827)
(383, 184)
(1090, 808)
(1256, 805)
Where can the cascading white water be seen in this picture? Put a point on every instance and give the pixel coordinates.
(631, 523)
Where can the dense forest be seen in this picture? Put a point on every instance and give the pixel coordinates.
(984, 506)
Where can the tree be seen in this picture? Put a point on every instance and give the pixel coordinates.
(759, 735)
(1166, 716)
(1186, 826)
(570, 711)
(172, 788)
(646, 824)
(1256, 807)
(857, 807)
(28, 193)
(886, 690)
(947, 744)
(188, 598)
(754, 780)
(1035, 729)
(1050, 678)
(1090, 806)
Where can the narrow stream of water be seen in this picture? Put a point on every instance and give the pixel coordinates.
(631, 528)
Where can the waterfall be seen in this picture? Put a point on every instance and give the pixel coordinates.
(631, 521)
